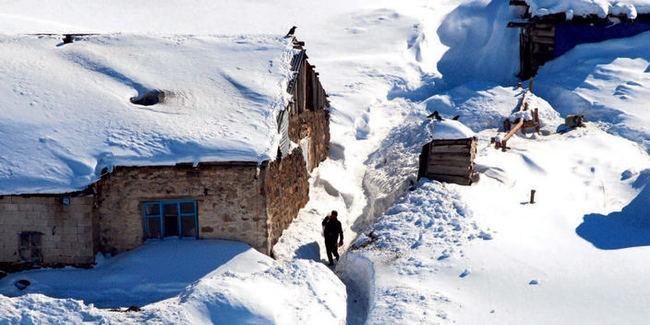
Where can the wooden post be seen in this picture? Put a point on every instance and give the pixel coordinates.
(532, 196)
(512, 132)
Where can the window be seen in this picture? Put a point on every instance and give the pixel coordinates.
(170, 218)
(29, 247)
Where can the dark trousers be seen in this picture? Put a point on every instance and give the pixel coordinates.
(332, 247)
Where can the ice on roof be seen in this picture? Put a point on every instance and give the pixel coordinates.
(67, 111)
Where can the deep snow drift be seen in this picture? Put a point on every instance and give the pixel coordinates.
(67, 112)
(575, 256)
(481, 254)
(607, 82)
(202, 282)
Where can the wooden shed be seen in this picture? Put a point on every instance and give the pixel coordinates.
(449, 161)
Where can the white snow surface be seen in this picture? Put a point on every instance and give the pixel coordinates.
(443, 253)
(449, 254)
(449, 130)
(607, 82)
(363, 50)
(600, 8)
(67, 114)
(180, 282)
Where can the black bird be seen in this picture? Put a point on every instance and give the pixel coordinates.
(455, 118)
(67, 39)
(291, 32)
(435, 115)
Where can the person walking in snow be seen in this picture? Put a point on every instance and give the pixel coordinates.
(332, 230)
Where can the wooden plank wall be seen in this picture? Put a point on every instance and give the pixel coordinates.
(537, 45)
(307, 91)
(450, 161)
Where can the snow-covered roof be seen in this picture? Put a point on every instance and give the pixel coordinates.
(451, 130)
(600, 8)
(66, 109)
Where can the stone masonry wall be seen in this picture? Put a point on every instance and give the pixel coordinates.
(67, 230)
(315, 125)
(229, 196)
(287, 191)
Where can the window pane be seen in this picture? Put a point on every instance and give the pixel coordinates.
(171, 225)
(188, 225)
(171, 209)
(154, 227)
(152, 209)
(187, 207)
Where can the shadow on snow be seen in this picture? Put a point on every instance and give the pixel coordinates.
(622, 229)
(155, 271)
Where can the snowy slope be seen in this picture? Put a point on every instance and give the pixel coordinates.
(480, 254)
(442, 253)
(236, 284)
(67, 114)
(607, 82)
(448, 253)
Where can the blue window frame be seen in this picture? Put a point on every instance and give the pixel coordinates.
(170, 218)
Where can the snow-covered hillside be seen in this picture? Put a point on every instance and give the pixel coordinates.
(445, 253)
(608, 82)
(435, 253)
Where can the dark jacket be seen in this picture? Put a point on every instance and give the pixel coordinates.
(332, 229)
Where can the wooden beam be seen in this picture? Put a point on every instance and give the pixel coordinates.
(450, 170)
(450, 179)
(451, 149)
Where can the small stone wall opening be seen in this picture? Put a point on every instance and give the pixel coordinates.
(150, 98)
(30, 247)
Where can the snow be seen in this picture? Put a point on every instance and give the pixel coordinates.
(464, 255)
(578, 255)
(607, 82)
(222, 95)
(516, 258)
(450, 130)
(176, 283)
(600, 8)
(365, 52)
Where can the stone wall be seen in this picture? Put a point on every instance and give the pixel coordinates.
(315, 125)
(229, 195)
(66, 230)
(286, 186)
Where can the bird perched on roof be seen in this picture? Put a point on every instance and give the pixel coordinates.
(291, 32)
(435, 115)
(67, 39)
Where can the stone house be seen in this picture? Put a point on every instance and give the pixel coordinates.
(245, 182)
(553, 27)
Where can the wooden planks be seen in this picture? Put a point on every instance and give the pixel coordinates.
(450, 161)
